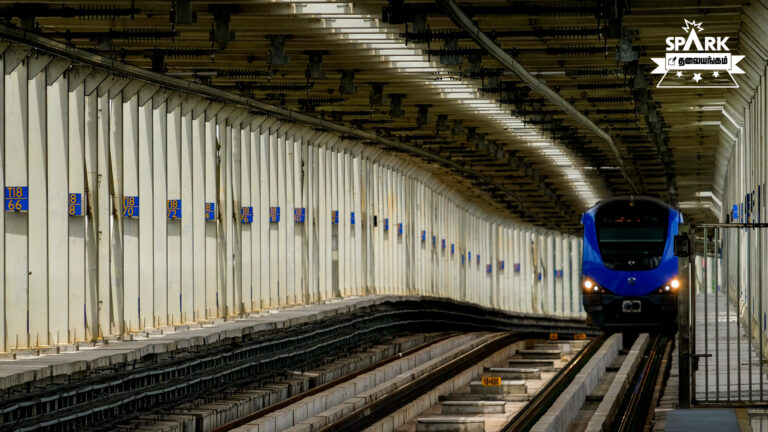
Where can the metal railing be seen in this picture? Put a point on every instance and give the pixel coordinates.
(722, 315)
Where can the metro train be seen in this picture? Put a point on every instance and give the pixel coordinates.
(629, 270)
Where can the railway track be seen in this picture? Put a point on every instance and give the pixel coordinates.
(111, 398)
(538, 406)
(637, 402)
(372, 413)
(614, 389)
(323, 387)
(408, 386)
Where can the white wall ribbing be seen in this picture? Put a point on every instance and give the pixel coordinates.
(71, 278)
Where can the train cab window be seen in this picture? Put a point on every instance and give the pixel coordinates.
(632, 236)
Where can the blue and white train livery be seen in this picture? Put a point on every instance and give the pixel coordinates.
(628, 264)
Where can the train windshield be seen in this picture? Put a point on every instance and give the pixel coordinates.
(632, 235)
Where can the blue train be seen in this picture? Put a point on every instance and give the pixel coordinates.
(629, 270)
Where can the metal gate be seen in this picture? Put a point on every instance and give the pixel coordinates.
(722, 314)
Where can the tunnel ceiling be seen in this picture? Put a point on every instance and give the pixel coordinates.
(405, 71)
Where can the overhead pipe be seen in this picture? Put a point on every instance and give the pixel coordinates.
(462, 20)
(163, 80)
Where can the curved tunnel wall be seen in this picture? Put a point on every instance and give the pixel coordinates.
(742, 169)
(124, 255)
(742, 264)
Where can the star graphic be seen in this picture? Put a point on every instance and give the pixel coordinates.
(679, 74)
(715, 74)
(697, 77)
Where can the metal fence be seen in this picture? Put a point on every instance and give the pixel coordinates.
(723, 315)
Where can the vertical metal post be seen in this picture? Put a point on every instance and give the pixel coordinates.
(738, 313)
(750, 308)
(717, 312)
(705, 318)
(683, 319)
(691, 298)
(760, 319)
(728, 322)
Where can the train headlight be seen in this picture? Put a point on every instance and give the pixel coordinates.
(590, 285)
(670, 286)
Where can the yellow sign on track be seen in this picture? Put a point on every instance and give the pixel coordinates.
(491, 381)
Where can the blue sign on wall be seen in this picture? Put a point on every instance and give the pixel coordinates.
(17, 198)
(299, 214)
(453, 248)
(469, 256)
(174, 209)
(559, 274)
(352, 218)
(478, 258)
(735, 212)
(386, 224)
(246, 215)
(501, 265)
(399, 228)
(488, 268)
(335, 217)
(442, 244)
(516, 267)
(210, 211)
(75, 204)
(423, 235)
(131, 206)
(274, 214)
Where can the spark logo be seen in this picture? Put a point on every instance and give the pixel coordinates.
(697, 62)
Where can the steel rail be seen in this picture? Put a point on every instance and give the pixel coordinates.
(661, 379)
(167, 386)
(459, 18)
(371, 413)
(323, 387)
(57, 48)
(538, 405)
(644, 386)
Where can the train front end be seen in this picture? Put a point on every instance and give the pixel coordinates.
(629, 268)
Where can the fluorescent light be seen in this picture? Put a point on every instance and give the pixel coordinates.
(384, 42)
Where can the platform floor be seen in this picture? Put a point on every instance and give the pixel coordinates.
(702, 420)
(733, 370)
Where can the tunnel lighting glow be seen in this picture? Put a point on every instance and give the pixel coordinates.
(320, 8)
(383, 40)
(715, 106)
